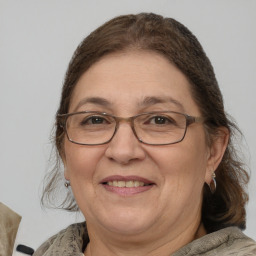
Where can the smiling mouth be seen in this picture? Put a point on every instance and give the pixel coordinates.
(127, 184)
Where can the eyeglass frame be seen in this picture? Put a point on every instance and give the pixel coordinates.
(189, 120)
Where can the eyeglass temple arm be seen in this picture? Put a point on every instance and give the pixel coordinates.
(193, 119)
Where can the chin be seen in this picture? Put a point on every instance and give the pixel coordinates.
(127, 222)
(128, 228)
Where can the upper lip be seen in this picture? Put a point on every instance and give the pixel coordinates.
(126, 178)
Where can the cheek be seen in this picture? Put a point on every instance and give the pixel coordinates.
(183, 165)
(80, 161)
(183, 170)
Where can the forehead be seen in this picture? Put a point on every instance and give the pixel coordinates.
(130, 79)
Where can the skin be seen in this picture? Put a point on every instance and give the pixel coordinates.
(164, 218)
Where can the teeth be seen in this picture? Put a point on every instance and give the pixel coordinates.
(129, 184)
(126, 184)
(121, 184)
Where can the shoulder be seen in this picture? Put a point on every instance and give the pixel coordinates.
(237, 243)
(226, 242)
(69, 241)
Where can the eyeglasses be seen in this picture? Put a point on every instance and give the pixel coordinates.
(153, 128)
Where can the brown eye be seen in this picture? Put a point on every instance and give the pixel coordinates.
(94, 120)
(161, 120)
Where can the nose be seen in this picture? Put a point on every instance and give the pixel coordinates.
(125, 147)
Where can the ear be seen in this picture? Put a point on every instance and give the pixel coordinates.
(216, 151)
(66, 172)
(63, 158)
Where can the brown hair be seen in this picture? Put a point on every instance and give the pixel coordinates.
(166, 36)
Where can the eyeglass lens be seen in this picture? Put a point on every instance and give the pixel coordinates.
(151, 128)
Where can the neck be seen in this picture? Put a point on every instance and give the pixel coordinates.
(129, 246)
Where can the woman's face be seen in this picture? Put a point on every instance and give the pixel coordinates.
(125, 85)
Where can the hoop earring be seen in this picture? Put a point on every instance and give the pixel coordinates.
(67, 184)
(213, 184)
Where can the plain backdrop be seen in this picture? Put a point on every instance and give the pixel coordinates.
(37, 40)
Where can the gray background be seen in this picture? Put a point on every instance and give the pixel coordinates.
(37, 39)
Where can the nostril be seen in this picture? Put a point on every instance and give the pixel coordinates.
(124, 147)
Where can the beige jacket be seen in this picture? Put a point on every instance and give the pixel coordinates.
(9, 224)
(225, 242)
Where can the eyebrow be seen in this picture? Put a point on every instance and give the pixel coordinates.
(146, 102)
(149, 101)
(94, 100)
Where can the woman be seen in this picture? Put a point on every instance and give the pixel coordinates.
(147, 147)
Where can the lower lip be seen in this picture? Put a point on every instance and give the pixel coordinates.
(127, 191)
